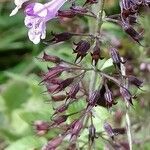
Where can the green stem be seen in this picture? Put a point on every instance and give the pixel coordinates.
(98, 25)
(127, 117)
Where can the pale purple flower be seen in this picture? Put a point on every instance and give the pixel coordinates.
(37, 15)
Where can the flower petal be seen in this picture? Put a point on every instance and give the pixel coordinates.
(14, 11)
(18, 4)
(53, 7)
(36, 9)
(35, 38)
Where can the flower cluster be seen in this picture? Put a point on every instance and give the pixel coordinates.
(129, 13)
(65, 81)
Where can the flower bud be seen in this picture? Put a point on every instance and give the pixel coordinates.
(41, 127)
(66, 13)
(62, 85)
(60, 119)
(53, 72)
(115, 57)
(55, 85)
(119, 131)
(125, 4)
(61, 109)
(54, 81)
(128, 7)
(132, 33)
(73, 91)
(92, 133)
(135, 81)
(93, 98)
(78, 9)
(76, 128)
(108, 97)
(52, 144)
(90, 2)
(126, 95)
(51, 88)
(109, 130)
(50, 58)
(96, 55)
(57, 98)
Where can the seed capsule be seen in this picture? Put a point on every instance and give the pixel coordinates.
(60, 37)
(96, 55)
(81, 49)
(52, 144)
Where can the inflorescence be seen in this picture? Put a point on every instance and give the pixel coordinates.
(73, 88)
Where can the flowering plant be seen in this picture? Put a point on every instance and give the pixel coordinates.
(83, 81)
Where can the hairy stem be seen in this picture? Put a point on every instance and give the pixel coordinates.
(128, 122)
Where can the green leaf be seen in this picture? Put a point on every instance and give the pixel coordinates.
(101, 115)
(108, 63)
(15, 94)
(108, 66)
(76, 107)
(8, 135)
(27, 143)
(30, 117)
